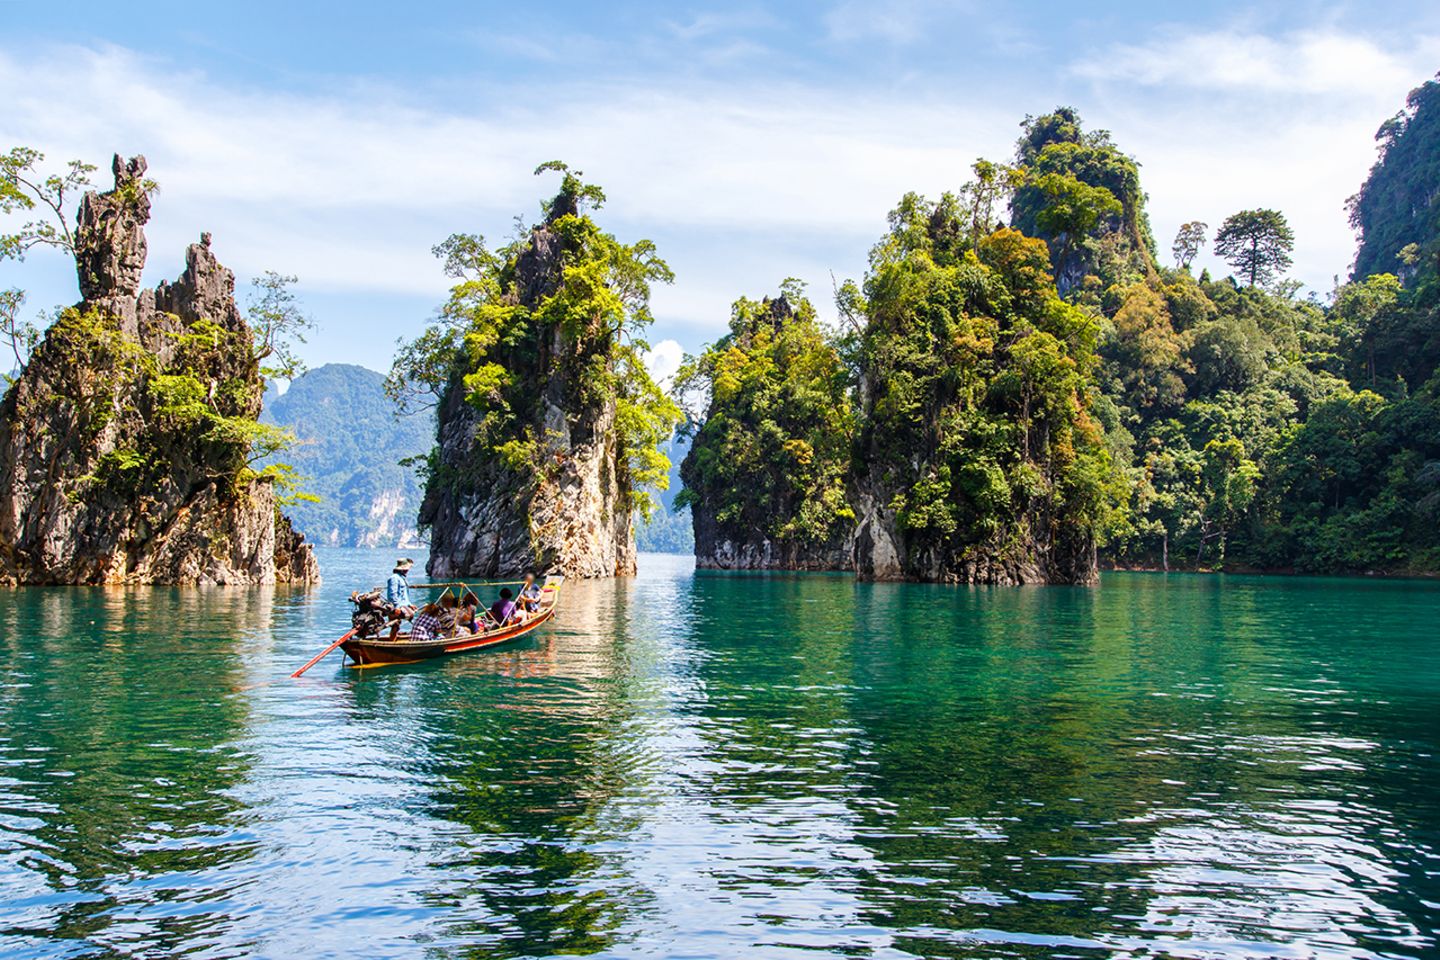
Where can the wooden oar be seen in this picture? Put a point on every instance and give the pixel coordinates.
(322, 654)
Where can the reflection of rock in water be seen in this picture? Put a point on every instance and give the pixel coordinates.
(130, 774)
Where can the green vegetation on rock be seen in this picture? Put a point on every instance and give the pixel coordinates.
(1081, 195)
(978, 451)
(549, 423)
(130, 442)
(985, 423)
(1397, 211)
(771, 453)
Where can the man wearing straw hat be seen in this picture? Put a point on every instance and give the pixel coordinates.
(397, 594)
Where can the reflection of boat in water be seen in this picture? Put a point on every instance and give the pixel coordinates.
(379, 652)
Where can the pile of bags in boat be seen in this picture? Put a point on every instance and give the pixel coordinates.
(372, 612)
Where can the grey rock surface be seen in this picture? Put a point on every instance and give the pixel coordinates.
(99, 483)
(571, 512)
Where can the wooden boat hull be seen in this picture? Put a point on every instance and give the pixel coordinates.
(376, 653)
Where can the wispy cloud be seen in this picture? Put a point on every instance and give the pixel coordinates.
(1328, 62)
(712, 24)
(892, 21)
(351, 188)
(741, 182)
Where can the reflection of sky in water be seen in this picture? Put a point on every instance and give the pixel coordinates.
(709, 765)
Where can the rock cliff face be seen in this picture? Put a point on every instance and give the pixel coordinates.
(566, 507)
(123, 444)
(719, 549)
(1014, 556)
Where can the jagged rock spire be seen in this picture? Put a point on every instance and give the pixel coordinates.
(101, 484)
(110, 235)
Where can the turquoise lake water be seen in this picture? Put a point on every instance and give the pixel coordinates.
(707, 765)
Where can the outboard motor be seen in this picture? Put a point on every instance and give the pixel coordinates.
(372, 614)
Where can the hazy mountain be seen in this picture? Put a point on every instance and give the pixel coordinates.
(349, 452)
(669, 531)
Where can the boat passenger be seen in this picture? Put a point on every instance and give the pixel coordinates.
(468, 618)
(504, 609)
(397, 594)
(427, 623)
(530, 594)
(449, 614)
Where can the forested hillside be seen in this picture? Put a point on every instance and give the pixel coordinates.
(1183, 421)
(348, 454)
(1269, 432)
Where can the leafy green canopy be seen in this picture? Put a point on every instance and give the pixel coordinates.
(1397, 210)
(562, 305)
(1255, 428)
(979, 380)
(1082, 195)
(1257, 243)
(772, 453)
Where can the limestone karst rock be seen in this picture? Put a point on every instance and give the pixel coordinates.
(122, 446)
(1014, 556)
(568, 509)
(719, 549)
(764, 475)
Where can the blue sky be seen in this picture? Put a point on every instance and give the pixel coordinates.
(339, 142)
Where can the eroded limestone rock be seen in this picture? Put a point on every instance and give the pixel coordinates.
(572, 513)
(103, 477)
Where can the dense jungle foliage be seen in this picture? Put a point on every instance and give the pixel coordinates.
(773, 448)
(1189, 421)
(978, 383)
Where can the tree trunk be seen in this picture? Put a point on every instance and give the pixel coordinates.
(1165, 550)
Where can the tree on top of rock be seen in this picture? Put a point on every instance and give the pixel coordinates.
(1257, 243)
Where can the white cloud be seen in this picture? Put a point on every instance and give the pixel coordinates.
(895, 21)
(1324, 62)
(740, 184)
(1229, 120)
(350, 188)
(663, 359)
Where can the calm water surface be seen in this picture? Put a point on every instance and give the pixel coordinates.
(707, 765)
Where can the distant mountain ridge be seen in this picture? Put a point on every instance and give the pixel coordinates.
(349, 452)
(670, 530)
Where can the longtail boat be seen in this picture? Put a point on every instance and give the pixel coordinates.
(376, 651)
(379, 652)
